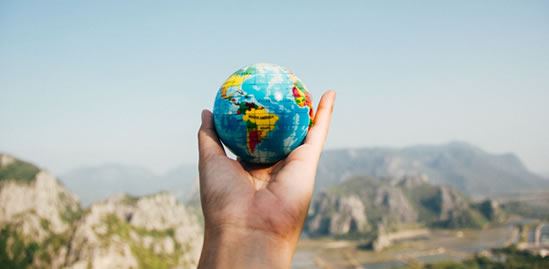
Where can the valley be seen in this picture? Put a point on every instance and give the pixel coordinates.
(372, 208)
(433, 246)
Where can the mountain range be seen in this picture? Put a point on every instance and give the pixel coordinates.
(459, 164)
(95, 183)
(369, 193)
(43, 225)
(366, 207)
(466, 167)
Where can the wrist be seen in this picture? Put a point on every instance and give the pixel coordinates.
(245, 248)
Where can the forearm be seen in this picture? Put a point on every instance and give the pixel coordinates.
(245, 249)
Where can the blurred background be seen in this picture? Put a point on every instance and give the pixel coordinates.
(438, 153)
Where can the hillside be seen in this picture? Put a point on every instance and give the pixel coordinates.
(42, 225)
(466, 167)
(17, 170)
(362, 207)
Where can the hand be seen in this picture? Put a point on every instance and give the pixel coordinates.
(253, 213)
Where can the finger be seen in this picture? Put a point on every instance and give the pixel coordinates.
(208, 142)
(296, 180)
(318, 133)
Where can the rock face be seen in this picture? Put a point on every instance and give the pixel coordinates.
(397, 207)
(125, 232)
(42, 225)
(358, 206)
(365, 205)
(491, 209)
(410, 180)
(448, 201)
(349, 215)
(36, 216)
(45, 197)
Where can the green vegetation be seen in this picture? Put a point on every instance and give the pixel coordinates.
(486, 209)
(20, 171)
(17, 251)
(423, 200)
(130, 199)
(366, 188)
(145, 256)
(45, 224)
(52, 244)
(464, 218)
(524, 230)
(70, 214)
(426, 199)
(355, 185)
(14, 253)
(505, 258)
(526, 209)
(41, 247)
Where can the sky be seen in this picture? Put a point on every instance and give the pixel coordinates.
(91, 82)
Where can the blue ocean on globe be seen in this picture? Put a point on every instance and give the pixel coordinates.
(262, 112)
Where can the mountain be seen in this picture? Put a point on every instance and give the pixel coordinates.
(42, 225)
(36, 215)
(365, 207)
(136, 232)
(95, 183)
(466, 167)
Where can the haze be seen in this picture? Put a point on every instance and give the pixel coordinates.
(84, 83)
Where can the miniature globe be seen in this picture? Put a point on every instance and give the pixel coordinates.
(262, 112)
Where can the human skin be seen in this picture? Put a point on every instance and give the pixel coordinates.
(253, 213)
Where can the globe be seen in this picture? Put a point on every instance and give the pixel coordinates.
(262, 112)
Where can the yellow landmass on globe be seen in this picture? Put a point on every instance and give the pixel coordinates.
(234, 80)
(259, 124)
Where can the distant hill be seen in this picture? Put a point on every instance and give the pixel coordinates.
(464, 166)
(95, 183)
(365, 207)
(364, 203)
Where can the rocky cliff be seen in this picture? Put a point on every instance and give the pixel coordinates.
(43, 226)
(129, 232)
(366, 206)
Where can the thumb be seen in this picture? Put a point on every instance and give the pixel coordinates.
(208, 142)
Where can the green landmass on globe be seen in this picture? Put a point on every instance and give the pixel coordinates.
(262, 112)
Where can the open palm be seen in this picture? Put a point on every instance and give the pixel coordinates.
(271, 199)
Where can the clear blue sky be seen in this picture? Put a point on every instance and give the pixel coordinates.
(89, 82)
